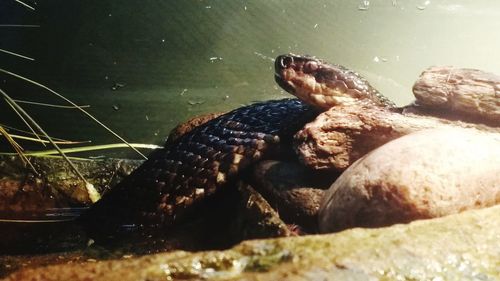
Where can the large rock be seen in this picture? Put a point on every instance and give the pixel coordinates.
(427, 174)
(343, 134)
(457, 247)
(294, 191)
(465, 91)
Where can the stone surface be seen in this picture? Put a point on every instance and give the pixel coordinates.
(427, 174)
(469, 92)
(56, 186)
(294, 191)
(343, 134)
(456, 247)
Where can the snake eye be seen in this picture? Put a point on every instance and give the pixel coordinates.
(310, 66)
(286, 61)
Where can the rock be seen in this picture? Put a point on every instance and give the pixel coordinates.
(26, 194)
(294, 191)
(343, 134)
(427, 174)
(456, 247)
(469, 92)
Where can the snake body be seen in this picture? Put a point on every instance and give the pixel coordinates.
(209, 158)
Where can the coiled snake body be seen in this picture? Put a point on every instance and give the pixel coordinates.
(209, 158)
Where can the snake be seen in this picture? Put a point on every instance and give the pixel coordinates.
(209, 158)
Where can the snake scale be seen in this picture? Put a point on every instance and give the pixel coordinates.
(209, 158)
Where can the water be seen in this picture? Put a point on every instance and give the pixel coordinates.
(144, 66)
(175, 59)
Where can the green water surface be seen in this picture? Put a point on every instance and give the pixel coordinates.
(143, 66)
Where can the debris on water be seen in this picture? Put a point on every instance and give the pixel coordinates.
(215, 59)
(147, 118)
(195, 102)
(316, 26)
(365, 4)
(116, 107)
(394, 3)
(262, 56)
(245, 8)
(225, 97)
(183, 92)
(106, 77)
(117, 86)
(376, 59)
(208, 7)
(424, 5)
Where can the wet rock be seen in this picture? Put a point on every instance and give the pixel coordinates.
(24, 193)
(469, 92)
(427, 174)
(293, 190)
(456, 247)
(257, 218)
(343, 134)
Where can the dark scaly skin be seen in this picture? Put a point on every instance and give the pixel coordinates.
(210, 157)
(199, 163)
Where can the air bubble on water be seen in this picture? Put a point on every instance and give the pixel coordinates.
(424, 5)
(315, 26)
(245, 8)
(109, 15)
(364, 5)
(116, 107)
(163, 40)
(208, 7)
(117, 86)
(215, 59)
(183, 92)
(376, 59)
(226, 97)
(195, 102)
(147, 118)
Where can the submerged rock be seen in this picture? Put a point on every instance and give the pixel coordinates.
(427, 174)
(457, 247)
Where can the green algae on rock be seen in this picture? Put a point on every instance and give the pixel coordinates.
(457, 247)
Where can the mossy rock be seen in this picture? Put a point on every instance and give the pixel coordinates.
(457, 247)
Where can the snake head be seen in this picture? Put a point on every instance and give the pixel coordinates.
(324, 85)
